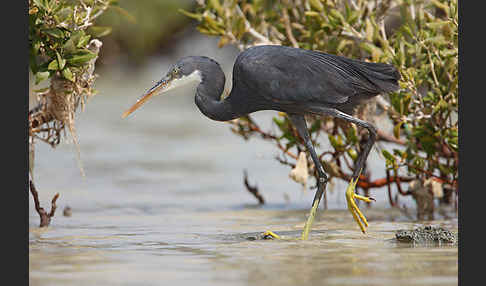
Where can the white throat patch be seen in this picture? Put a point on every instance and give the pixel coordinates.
(195, 76)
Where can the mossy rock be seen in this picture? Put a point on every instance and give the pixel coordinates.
(426, 234)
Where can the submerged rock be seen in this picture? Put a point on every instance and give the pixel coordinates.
(262, 236)
(426, 234)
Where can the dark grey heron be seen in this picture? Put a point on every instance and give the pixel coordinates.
(290, 80)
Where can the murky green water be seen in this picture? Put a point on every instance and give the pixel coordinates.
(163, 203)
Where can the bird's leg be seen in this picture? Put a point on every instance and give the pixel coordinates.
(299, 122)
(350, 191)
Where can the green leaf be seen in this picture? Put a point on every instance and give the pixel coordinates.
(61, 62)
(81, 57)
(317, 5)
(374, 51)
(78, 39)
(441, 6)
(69, 46)
(389, 158)
(396, 129)
(64, 14)
(343, 44)
(312, 14)
(76, 36)
(54, 32)
(369, 30)
(195, 16)
(207, 31)
(41, 90)
(67, 74)
(428, 144)
(407, 30)
(388, 155)
(53, 65)
(280, 123)
(214, 25)
(337, 15)
(401, 154)
(439, 40)
(437, 25)
(83, 41)
(41, 4)
(217, 6)
(54, 6)
(441, 105)
(444, 169)
(453, 143)
(352, 153)
(336, 142)
(41, 76)
(351, 136)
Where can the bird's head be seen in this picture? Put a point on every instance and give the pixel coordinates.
(186, 70)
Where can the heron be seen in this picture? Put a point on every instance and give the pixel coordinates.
(294, 81)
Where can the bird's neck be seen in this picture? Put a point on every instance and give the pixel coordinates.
(208, 98)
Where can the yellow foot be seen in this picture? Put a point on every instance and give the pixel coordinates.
(353, 208)
(270, 235)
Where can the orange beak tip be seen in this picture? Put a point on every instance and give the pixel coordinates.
(143, 99)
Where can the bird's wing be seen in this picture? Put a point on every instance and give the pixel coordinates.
(304, 76)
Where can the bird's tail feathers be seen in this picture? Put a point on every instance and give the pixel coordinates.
(384, 76)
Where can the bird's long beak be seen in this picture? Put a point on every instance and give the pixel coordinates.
(159, 88)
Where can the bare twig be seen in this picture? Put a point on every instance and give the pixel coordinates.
(288, 29)
(252, 190)
(89, 18)
(260, 38)
(364, 182)
(45, 218)
(382, 136)
(392, 203)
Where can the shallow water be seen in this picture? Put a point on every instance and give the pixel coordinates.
(164, 203)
